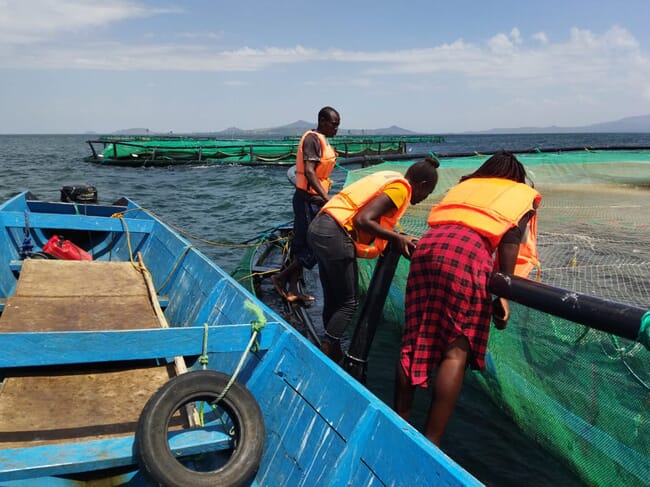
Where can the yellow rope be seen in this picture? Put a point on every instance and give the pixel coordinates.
(285, 249)
(128, 243)
(128, 236)
(171, 273)
(186, 233)
(254, 274)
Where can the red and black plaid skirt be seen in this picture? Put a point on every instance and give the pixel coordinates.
(446, 296)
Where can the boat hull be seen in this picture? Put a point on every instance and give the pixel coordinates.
(321, 426)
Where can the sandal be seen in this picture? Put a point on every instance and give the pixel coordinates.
(299, 298)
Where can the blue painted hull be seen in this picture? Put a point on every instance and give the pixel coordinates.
(321, 426)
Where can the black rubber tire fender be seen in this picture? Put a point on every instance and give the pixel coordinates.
(152, 447)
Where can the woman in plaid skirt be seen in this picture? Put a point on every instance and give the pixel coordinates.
(477, 227)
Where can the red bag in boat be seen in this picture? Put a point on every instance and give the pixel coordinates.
(64, 249)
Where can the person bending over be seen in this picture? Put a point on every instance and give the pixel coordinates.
(477, 227)
(359, 222)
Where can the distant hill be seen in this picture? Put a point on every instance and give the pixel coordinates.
(638, 124)
(296, 128)
(299, 127)
(134, 131)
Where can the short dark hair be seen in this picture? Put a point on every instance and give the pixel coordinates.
(326, 113)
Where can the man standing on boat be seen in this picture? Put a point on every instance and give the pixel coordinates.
(314, 164)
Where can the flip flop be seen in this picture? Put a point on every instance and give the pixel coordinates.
(302, 298)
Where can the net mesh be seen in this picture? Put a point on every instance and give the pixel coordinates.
(165, 149)
(581, 393)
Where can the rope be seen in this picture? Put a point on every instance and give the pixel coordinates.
(644, 330)
(173, 269)
(255, 274)
(265, 241)
(621, 353)
(188, 248)
(257, 325)
(27, 246)
(128, 235)
(186, 233)
(203, 358)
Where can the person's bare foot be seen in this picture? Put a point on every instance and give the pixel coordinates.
(303, 298)
(333, 351)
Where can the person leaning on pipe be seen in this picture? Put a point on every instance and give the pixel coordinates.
(358, 222)
(485, 222)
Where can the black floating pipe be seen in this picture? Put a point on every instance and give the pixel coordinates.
(376, 159)
(616, 318)
(355, 361)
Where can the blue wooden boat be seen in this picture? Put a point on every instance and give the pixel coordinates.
(150, 365)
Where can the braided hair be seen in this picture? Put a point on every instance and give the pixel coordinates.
(502, 164)
(424, 170)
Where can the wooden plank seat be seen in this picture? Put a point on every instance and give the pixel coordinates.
(63, 403)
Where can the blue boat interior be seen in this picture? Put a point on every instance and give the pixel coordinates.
(321, 426)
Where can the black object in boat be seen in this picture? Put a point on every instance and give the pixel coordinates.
(79, 194)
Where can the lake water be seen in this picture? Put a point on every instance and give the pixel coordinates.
(233, 204)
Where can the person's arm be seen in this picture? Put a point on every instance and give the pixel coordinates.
(367, 220)
(507, 257)
(314, 182)
(508, 252)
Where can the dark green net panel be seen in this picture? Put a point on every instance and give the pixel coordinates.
(581, 393)
(160, 150)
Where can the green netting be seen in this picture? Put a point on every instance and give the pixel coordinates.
(166, 149)
(581, 393)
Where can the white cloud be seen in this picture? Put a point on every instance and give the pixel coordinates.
(201, 35)
(515, 36)
(611, 60)
(500, 43)
(32, 21)
(541, 37)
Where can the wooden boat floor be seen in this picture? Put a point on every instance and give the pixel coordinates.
(89, 400)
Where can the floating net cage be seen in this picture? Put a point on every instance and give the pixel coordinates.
(581, 393)
(137, 150)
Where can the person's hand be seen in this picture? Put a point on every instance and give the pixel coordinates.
(318, 200)
(407, 244)
(500, 312)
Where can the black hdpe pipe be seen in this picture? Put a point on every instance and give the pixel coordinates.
(616, 318)
(619, 319)
(367, 160)
(355, 361)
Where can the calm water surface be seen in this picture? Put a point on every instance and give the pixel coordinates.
(232, 204)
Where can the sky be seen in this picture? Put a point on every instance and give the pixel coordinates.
(72, 66)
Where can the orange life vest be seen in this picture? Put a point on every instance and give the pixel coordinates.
(492, 206)
(323, 169)
(344, 206)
